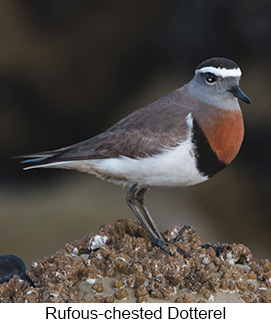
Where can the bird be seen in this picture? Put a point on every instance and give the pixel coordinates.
(182, 139)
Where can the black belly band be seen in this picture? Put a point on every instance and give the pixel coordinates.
(207, 160)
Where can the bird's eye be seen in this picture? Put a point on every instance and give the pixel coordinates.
(210, 78)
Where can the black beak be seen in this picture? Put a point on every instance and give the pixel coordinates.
(237, 92)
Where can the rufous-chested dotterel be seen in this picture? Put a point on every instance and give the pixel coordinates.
(182, 139)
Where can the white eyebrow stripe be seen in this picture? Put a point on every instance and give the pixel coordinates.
(218, 71)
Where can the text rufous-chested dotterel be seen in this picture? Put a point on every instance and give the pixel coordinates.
(182, 139)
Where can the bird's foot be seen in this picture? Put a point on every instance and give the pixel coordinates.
(161, 244)
(182, 251)
(217, 247)
(179, 237)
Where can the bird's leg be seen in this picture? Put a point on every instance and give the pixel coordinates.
(179, 235)
(140, 198)
(131, 199)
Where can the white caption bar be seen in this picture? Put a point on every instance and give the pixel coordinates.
(129, 312)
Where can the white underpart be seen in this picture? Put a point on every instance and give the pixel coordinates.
(222, 72)
(172, 167)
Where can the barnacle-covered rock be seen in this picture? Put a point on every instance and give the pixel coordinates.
(119, 264)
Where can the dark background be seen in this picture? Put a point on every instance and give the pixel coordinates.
(70, 69)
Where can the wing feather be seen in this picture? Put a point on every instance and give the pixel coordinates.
(143, 133)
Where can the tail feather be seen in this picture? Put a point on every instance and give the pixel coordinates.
(33, 160)
(38, 160)
(43, 154)
(48, 165)
(59, 158)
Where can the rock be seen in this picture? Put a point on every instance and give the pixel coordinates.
(124, 267)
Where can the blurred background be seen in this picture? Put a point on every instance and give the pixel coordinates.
(70, 69)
